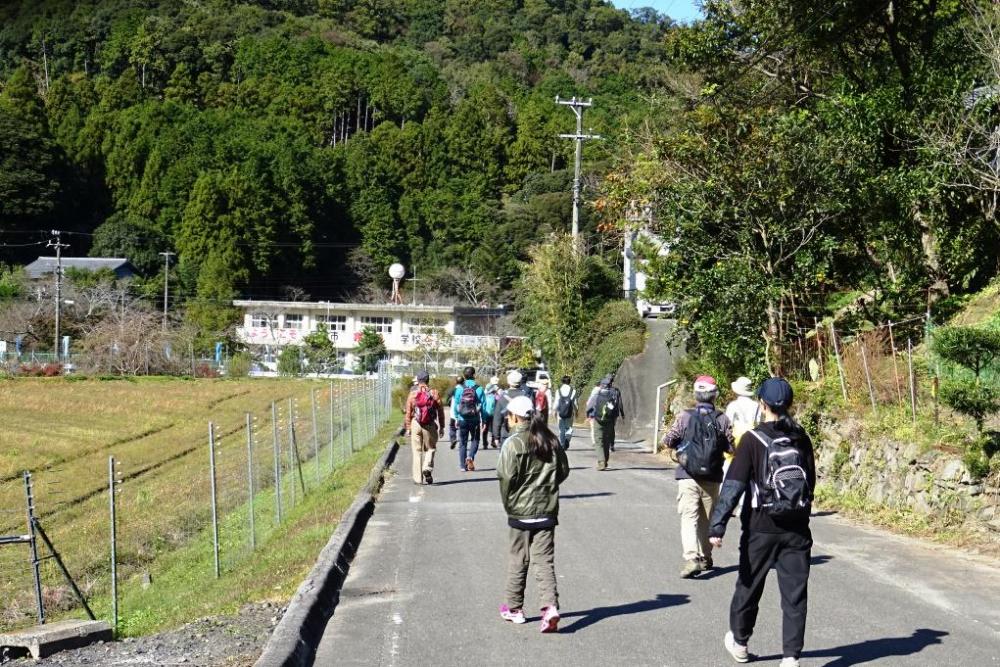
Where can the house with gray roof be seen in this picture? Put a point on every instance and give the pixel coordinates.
(46, 266)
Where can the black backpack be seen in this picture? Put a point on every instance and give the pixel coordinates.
(700, 451)
(606, 406)
(784, 486)
(564, 406)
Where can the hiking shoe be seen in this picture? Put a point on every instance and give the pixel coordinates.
(515, 616)
(428, 477)
(690, 568)
(739, 651)
(601, 465)
(550, 620)
(706, 564)
(470, 465)
(789, 662)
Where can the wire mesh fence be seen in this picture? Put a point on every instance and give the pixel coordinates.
(232, 489)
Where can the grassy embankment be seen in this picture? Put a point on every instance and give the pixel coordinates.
(64, 430)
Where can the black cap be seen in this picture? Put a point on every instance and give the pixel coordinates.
(423, 377)
(776, 393)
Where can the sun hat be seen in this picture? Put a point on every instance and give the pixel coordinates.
(520, 406)
(514, 377)
(705, 383)
(423, 377)
(607, 380)
(776, 392)
(742, 386)
(494, 380)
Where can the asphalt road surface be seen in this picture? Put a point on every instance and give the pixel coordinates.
(428, 580)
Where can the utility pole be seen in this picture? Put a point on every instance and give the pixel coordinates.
(166, 285)
(577, 106)
(57, 243)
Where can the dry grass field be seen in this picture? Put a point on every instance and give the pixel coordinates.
(64, 430)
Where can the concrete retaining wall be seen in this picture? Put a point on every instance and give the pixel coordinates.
(294, 640)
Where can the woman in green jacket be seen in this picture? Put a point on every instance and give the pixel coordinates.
(532, 465)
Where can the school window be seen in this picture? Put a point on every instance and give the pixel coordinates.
(260, 320)
(293, 321)
(382, 325)
(426, 326)
(332, 322)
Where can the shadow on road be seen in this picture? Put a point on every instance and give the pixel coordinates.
(467, 480)
(592, 616)
(874, 649)
(599, 494)
(721, 571)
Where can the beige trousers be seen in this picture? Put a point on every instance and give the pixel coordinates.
(527, 548)
(695, 502)
(423, 442)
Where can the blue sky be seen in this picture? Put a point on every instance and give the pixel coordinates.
(679, 10)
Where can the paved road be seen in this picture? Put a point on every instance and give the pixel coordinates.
(425, 587)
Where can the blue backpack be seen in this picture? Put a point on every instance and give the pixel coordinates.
(490, 404)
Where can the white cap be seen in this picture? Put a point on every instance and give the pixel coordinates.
(514, 377)
(520, 406)
(494, 380)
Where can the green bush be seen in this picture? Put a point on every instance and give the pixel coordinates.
(616, 333)
(239, 365)
(290, 361)
(840, 459)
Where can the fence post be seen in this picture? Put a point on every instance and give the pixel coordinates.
(840, 365)
(895, 364)
(114, 543)
(215, 505)
(868, 378)
(350, 414)
(33, 544)
(293, 454)
(277, 462)
(250, 489)
(312, 399)
(332, 460)
(913, 388)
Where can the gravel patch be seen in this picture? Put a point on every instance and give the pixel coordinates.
(217, 641)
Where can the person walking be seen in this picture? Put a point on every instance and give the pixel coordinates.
(742, 411)
(543, 399)
(492, 393)
(531, 467)
(603, 411)
(700, 437)
(515, 387)
(466, 410)
(424, 420)
(567, 406)
(775, 521)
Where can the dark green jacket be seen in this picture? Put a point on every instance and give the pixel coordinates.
(529, 486)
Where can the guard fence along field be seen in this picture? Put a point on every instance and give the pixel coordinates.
(78, 534)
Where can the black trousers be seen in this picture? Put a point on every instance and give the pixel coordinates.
(789, 554)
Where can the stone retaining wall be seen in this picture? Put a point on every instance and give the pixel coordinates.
(900, 475)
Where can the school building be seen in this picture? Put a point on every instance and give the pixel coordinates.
(441, 337)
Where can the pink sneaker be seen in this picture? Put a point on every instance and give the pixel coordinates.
(515, 616)
(550, 619)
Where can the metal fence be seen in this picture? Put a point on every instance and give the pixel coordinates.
(231, 491)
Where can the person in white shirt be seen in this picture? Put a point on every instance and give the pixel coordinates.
(567, 405)
(743, 411)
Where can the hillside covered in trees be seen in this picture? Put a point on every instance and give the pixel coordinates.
(307, 143)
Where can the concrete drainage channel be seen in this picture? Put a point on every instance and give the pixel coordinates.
(294, 641)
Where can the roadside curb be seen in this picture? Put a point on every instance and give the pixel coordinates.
(294, 640)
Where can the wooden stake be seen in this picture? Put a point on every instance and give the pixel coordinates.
(913, 388)
(895, 364)
(840, 365)
(868, 377)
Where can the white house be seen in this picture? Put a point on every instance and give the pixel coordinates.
(441, 336)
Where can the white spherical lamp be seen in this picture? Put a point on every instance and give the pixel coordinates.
(397, 272)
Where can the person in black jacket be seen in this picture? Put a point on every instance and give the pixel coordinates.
(771, 536)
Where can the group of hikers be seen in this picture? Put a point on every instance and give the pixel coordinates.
(751, 458)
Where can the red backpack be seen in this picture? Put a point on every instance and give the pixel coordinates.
(541, 401)
(425, 406)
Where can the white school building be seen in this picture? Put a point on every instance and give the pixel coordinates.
(414, 335)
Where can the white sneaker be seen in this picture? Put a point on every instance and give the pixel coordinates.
(738, 651)
(789, 662)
